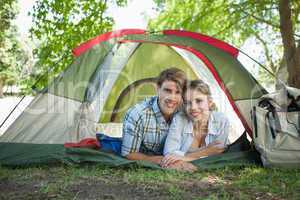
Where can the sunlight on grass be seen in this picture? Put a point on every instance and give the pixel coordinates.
(284, 182)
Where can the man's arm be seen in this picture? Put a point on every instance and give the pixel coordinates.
(132, 138)
(141, 156)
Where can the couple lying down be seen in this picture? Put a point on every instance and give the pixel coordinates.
(178, 125)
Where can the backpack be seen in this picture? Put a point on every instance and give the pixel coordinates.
(276, 128)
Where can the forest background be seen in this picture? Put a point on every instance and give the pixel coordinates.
(266, 30)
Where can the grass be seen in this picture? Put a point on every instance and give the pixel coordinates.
(99, 182)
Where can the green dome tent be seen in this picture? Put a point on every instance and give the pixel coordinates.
(115, 70)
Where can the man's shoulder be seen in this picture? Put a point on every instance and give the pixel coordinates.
(141, 108)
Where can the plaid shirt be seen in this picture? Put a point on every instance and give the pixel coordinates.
(144, 129)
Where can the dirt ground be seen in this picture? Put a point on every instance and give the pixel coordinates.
(50, 186)
(95, 189)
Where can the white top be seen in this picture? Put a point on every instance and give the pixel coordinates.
(180, 135)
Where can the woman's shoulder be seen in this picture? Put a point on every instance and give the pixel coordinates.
(219, 116)
(180, 117)
(181, 121)
(181, 124)
(218, 125)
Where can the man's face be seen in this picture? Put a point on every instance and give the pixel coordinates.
(169, 98)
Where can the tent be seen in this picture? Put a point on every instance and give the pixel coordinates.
(113, 71)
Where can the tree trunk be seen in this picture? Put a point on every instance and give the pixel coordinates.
(296, 76)
(1, 88)
(291, 52)
(282, 74)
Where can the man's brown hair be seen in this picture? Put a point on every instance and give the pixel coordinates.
(172, 74)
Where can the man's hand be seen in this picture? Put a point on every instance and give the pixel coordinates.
(170, 159)
(182, 166)
(141, 156)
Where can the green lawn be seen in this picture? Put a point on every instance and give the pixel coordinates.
(98, 182)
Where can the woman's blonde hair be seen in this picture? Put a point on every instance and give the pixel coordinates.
(202, 87)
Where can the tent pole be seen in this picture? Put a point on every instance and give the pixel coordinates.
(12, 111)
(33, 87)
(261, 65)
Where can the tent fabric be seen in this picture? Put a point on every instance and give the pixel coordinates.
(24, 155)
(218, 95)
(236, 82)
(147, 61)
(88, 90)
(103, 37)
(73, 82)
(107, 73)
(106, 36)
(48, 119)
(225, 65)
(204, 38)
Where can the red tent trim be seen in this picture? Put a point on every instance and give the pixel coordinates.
(212, 70)
(119, 33)
(103, 37)
(204, 38)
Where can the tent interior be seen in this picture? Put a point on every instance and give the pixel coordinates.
(136, 83)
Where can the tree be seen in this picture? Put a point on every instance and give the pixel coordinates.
(273, 24)
(10, 51)
(60, 25)
(290, 46)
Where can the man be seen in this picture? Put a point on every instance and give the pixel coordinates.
(146, 124)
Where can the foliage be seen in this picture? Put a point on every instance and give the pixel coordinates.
(232, 21)
(8, 12)
(12, 55)
(61, 25)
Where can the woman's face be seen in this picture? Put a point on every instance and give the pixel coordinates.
(197, 105)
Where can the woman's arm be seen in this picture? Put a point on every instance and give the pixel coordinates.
(218, 145)
(174, 138)
(213, 148)
(173, 151)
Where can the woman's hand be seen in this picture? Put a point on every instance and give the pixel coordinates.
(216, 147)
(170, 159)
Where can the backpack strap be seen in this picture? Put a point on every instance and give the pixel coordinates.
(254, 120)
(298, 129)
(274, 122)
(271, 124)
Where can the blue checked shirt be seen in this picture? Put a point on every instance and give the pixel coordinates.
(144, 129)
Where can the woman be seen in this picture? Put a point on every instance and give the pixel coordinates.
(199, 131)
